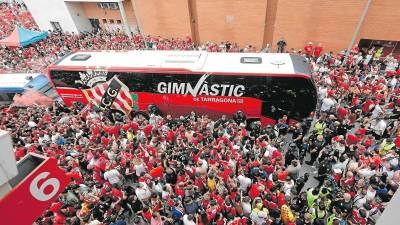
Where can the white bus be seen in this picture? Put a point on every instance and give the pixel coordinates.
(263, 86)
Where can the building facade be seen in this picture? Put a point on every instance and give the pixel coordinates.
(83, 15)
(247, 22)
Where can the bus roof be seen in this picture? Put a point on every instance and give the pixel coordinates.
(195, 61)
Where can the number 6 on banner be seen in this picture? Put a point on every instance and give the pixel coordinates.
(38, 192)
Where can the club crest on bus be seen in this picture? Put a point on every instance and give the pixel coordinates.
(92, 77)
(201, 88)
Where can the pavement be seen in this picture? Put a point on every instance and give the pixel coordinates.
(308, 169)
(312, 182)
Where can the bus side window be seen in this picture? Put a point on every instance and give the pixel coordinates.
(261, 89)
(66, 79)
(134, 81)
(255, 86)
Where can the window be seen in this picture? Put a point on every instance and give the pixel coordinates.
(80, 57)
(119, 21)
(111, 21)
(56, 26)
(104, 20)
(66, 79)
(105, 5)
(95, 23)
(113, 5)
(251, 60)
(140, 82)
(290, 96)
(108, 5)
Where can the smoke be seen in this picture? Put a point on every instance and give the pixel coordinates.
(32, 98)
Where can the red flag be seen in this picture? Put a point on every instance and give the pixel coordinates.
(114, 96)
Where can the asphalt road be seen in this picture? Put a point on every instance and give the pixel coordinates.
(304, 167)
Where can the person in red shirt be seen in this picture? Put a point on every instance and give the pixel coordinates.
(352, 139)
(341, 113)
(59, 218)
(397, 141)
(355, 49)
(146, 213)
(348, 181)
(213, 209)
(20, 153)
(157, 172)
(308, 49)
(318, 50)
(367, 104)
(115, 130)
(147, 129)
(255, 190)
(282, 174)
(268, 167)
(359, 217)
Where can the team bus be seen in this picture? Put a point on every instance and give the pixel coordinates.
(263, 86)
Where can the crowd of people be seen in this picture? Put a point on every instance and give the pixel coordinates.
(12, 15)
(195, 170)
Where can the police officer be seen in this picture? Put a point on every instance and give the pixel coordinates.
(319, 214)
(297, 134)
(291, 154)
(305, 146)
(312, 196)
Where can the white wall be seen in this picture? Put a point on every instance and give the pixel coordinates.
(69, 14)
(82, 23)
(8, 163)
(390, 214)
(44, 11)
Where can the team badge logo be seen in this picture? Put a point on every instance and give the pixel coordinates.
(92, 77)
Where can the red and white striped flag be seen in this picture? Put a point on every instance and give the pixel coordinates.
(112, 94)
